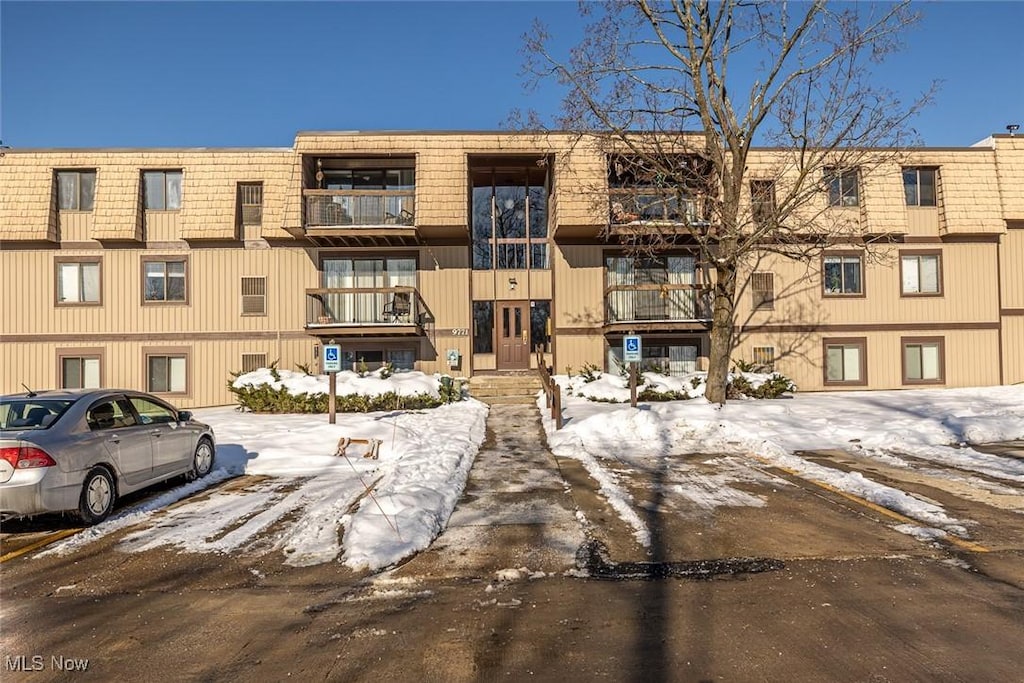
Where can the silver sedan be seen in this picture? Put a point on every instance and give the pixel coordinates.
(78, 450)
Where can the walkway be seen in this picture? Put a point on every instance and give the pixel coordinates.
(516, 511)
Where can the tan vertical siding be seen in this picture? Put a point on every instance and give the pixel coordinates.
(923, 221)
(1013, 349)
(579, 272)
(1012, 266)
(74, 226)
(161, 226)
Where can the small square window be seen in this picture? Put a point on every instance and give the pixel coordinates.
(845, 361)
(762, 288)
(762, 201)
(253, 361)
(78, 282)
(764, 359)
(919, 186)
(843, 275)
(254, 296)
(843, 189)
(250, 203)
(921, 273)
(162, 190)
(165, 281)
(76, 190)
(924, 360)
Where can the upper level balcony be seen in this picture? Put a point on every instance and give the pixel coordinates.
(634, 208)
(366, 311)
(650, 307)
(361, 217)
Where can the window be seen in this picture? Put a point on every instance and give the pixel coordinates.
(79, 368)
(250, 203)
(483, 327)
(374, 357)
(162, 190)
(253, 361)
(151, 412)
(764, 359)
(924, 360)
(78, 281)
(540, 325)
(762, 201)
(846, 361)
(386, 275)
(842, 275)
(254, 296)
(762, 287)
(921, 273)
(76, 190)
(166, 372)
(164, 280)
(919, 186)
(842, 187)
(509, 217)
(110, 415)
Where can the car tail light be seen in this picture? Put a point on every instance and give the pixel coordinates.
(25, 457)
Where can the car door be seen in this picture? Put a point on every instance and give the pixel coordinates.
(113, 424)
(172, 445)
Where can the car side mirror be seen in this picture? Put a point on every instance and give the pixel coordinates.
(185, 416)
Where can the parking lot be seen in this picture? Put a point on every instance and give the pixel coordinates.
(750, 573)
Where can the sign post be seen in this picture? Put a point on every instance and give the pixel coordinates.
(632, 351)
(332, 364)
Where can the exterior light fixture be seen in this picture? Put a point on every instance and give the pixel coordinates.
(1013, 128)
(512, 283)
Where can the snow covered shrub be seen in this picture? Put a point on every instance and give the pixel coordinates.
(362, 369)
(387, 370)
(773, 386)
(306, 370)
(590, 372)
(450, 390)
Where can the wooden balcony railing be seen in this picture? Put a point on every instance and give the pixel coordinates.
(331, 307)
(657, 302)
(639, 205)
(331, 208)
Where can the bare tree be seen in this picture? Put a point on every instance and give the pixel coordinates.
(676, 93)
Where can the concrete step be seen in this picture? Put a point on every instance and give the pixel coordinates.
(507, 400)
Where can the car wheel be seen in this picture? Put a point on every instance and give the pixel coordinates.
(202, 461)
(98, 496)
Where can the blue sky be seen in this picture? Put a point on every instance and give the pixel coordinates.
(222, 74)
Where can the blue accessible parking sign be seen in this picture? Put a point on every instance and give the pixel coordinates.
(631, 348)
(332, 358)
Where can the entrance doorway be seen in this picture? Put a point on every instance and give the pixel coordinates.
(513, 335)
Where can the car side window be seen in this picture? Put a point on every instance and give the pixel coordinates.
(109, 415)
(150, 412)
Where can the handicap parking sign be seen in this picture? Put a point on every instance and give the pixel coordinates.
(332, 358)
(631, 348)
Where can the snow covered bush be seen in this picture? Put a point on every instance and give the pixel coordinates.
(270, 390)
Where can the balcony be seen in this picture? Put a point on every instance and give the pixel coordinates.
(366, 311)
(637, 207)
(361, 217)
(657, 307)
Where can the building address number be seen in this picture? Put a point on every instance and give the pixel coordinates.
(460, 331)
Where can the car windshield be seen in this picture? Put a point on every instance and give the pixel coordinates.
(31, 413)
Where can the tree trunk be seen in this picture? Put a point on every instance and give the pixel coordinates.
(721, 332)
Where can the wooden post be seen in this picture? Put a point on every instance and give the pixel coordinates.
(331, 404)
(556, 406)
(632, 384)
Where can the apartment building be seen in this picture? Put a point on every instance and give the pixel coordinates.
(466, 252)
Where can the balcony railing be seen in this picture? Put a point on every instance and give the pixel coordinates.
(333, 307)
(665, 303)
(640, 205)
(359, 207)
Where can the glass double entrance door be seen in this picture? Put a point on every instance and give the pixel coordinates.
(513, 334)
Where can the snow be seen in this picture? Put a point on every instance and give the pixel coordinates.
(303, 502)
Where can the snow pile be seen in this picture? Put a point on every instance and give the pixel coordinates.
(609, 388)
(406, 383)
